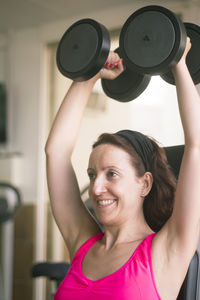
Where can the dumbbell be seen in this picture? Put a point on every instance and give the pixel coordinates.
(83, 51)
(193, 57)
(153, 40)
(127, 86)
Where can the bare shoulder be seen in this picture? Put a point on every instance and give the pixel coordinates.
(170, 264)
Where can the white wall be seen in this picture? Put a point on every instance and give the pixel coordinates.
(24, 79)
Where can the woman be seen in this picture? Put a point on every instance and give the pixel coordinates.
(135, 257)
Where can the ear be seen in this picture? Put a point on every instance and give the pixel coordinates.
(147, 183)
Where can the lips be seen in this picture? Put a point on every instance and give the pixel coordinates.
(105, 202)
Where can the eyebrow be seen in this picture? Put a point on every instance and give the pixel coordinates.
(108, 167)
(90, 169)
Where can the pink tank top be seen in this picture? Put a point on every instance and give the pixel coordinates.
(133, 281)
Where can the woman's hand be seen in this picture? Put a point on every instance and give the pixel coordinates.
(183, 58)
(187, 48)
(112, 68)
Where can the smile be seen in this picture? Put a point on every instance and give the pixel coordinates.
(105, 203)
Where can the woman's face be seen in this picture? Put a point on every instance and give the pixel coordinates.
(115, 190)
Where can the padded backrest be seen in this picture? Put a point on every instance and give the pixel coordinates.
(190, 287)
(174, 157)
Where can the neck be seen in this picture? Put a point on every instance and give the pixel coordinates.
(125, 233)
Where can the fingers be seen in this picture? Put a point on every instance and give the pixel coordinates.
(187, 49)
(111, 73)
(188, 45)
(182, 61)
(113, 60)
(113, 66)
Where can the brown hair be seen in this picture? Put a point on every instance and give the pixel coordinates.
(158, 204)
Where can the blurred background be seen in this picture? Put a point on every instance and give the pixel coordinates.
(31, 90)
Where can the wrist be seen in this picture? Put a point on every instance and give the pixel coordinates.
(86, 83)
(179, 67)
(94, 79)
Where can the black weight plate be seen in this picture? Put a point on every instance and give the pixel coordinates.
(127, 86)
(152, 40)
(83, 50)
(193, 57)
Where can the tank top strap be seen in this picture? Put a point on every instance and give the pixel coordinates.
(87, 245)
(148, 242)
(149, 239)
(149, 256)
(143, 251)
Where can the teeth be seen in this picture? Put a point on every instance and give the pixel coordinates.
(105, 202)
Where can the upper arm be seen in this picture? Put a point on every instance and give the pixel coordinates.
(170, 263)
(72, 217)
(184, 222)
(183, 228)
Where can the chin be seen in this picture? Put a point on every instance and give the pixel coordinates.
(106, 221)
(106, 217)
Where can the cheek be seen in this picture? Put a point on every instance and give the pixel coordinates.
(132, 190)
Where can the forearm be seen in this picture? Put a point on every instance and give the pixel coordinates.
(65, 129)
(189, 104)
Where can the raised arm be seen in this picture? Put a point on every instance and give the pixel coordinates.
(73, 219)
(184, 225)
(174, 245)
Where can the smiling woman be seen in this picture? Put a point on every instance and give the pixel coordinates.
(150, 230)
(158, 203)
(110, 187)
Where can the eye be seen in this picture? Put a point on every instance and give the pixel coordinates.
(111, 174)
(91, 175)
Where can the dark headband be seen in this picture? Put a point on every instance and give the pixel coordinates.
(141, 144)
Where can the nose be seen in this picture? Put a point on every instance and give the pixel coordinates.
(98, 186)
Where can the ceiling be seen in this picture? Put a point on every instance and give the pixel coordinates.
(18, 14)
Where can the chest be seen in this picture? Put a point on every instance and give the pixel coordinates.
(97, 264)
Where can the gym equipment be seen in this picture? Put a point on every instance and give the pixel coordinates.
(152, 40)
(127, 86)
(10, 203)
(9, 207)
(83, 50)
(56, 272)
(193, 57)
